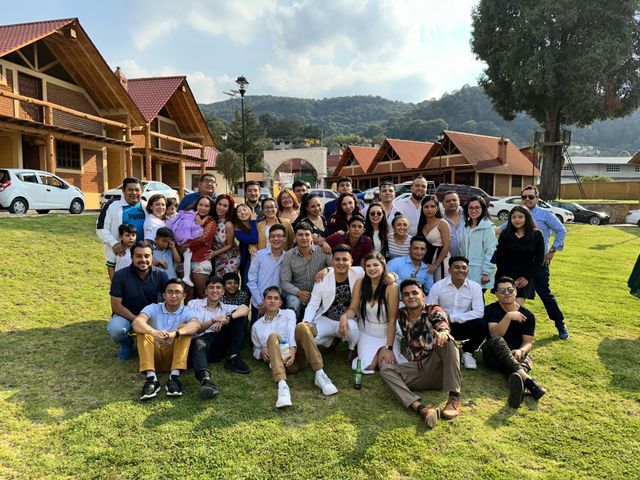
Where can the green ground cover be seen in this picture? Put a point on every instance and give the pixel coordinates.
(71, 410)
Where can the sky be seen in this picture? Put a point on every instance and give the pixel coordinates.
(408, 50)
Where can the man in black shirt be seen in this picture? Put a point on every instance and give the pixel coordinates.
(511, 328)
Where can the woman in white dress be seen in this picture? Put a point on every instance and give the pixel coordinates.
(376, 305)
(156, 208)
(376, 227)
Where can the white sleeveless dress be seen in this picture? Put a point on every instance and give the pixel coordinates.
(373, 336)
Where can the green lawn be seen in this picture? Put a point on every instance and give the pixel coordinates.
(70, 409)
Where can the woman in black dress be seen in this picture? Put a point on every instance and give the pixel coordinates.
(520, 252)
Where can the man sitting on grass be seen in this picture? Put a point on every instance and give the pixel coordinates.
(164, 335)
(511, 328)
(434, 363)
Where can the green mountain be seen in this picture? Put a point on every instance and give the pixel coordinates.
(467, 109)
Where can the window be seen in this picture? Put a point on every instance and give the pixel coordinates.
(51, 181)
(68, 155)
(516, 181)
(28, 177)
(613, 168)
(3, 79)
(637, 168)
(566, 167)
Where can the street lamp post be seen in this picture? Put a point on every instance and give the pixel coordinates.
(242, 83)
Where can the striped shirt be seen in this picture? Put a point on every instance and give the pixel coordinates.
(394, 250)
(298, 272)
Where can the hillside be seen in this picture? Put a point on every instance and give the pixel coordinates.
(467, 109)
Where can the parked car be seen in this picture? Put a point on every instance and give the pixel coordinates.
(325, 194)
(465, 192)
(501, 207)
(405, 187)
(581, 214)
(148, 190)
(264, 193)
(23, 188)
(369, 195)
(633, 217)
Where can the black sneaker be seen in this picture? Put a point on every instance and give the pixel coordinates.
(173, 387)
(516, 390)
(537, 390)
(236, 364)
(207, 389)
(150, 389)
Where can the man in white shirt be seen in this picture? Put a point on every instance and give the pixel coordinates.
(411, 206)
(462, 300)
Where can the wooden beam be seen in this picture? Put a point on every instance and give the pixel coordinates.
(60, 136)
(51, 154)
(175, 139)
(60, 108)
(26, 60)
(147, 151)
(181, 178)
(48, 66)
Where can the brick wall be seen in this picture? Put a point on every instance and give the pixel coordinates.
(91, 180)
(6, 104)
(76, 100)
(501, 185)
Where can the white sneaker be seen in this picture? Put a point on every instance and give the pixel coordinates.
(284, 397)
(468, 361)
(187, 281)
(324, 383)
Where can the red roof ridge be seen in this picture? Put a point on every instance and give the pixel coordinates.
(456, 132)
(169, 77)
(70, 19)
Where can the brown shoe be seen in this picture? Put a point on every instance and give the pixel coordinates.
(452, 408)
(429, 415)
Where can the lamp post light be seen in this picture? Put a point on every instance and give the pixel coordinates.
(242, 83)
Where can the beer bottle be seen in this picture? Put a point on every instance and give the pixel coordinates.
(357, 379)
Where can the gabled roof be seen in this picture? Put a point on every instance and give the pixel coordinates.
(79, 57)
(154, 93)
(635, 159)
(363, 155)
(410, 152)
(210, 154)
(151, 94)
(481, 152)
(13, 37)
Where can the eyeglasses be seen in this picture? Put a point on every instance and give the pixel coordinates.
(375, 214)
(270, 207)
(475, 208)
(209, 182)
(528, 197)
(276, 236)
(508, 290)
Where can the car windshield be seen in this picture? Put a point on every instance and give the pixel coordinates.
(578, 206)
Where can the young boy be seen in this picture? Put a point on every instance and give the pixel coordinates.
(165, 253)
(232, 293)
(172, 209)
(127, 234)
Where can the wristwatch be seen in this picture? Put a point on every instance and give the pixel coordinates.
(389, 347)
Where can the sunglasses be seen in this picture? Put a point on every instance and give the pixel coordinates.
(528, 197)
(508, 290)
(375, 214)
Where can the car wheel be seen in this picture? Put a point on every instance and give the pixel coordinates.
(503, 215)
(559, 217)
(639, 223)
(77, 206)
(19, 206)
(595, 220)
(42, 212)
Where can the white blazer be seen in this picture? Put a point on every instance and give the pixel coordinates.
(324, 293)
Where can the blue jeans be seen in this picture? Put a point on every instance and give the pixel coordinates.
(541, 283)
(295, 304)
(119, 329)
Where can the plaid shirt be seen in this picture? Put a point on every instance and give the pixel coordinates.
(419, 335)
(240, 298)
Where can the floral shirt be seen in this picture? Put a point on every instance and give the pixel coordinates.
(419, 335)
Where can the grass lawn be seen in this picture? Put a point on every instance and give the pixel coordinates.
(70, 409)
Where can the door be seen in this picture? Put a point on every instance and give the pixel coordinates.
(31, 189)
(30, 154)
(55, 191)
(30, 87)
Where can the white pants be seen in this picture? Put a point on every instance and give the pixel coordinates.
(328, 330)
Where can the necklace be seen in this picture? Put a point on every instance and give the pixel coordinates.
(269, 318)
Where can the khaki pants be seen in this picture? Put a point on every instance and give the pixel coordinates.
(163, 357)
(439, 371)
(307, 352)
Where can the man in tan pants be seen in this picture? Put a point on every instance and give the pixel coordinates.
(164, 335)
(267, 336)
(434, 362)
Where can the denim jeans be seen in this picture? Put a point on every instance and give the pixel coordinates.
(119, 329)
(295, 304)
(541, 283)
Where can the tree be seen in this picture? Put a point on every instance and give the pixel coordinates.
(255, 139)
(565, 62)
(229, 164)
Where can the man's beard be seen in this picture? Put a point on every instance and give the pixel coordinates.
(417, 196)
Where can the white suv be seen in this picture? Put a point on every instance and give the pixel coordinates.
(24, 188)
(149, 189)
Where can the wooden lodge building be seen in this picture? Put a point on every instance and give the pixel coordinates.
(63, 110)
(494, 164)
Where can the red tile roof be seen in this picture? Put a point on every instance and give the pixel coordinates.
(363, 156)
(332, 161)
(12, 37)
(481, 151)
(410, 152)
(210, 153)
(152, 94)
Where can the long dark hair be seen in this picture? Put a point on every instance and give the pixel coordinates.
(239, 224)
(340, 218)
(383, 227)
(212, 206)
(231, 212)
(367, 293)
(529, 224)
(304, 204)
(483, 205)
(423, 218)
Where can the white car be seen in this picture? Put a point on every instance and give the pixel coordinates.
(325, 194)
(633, 217)
(24, 188)
(149, 189)
(501, 207)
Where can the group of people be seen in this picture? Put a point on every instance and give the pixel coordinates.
(379, 277)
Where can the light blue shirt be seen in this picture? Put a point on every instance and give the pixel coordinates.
(167, 256)
(162, 319)
(264, 272)
(455, 247)
(403, 267)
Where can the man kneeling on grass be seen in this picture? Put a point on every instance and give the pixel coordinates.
(267, 336)
(164, 335)
(434, 363)
(511, 327)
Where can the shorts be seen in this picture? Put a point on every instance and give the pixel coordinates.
(203, 267)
